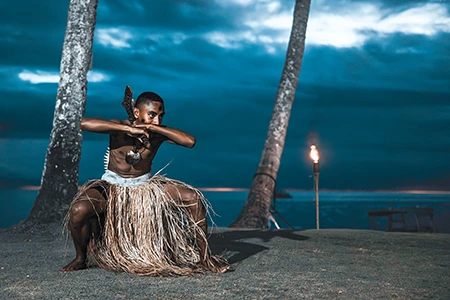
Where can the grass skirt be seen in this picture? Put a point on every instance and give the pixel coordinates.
(145, 231)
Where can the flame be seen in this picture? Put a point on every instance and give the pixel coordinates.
(314, 154)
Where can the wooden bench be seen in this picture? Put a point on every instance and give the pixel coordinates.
(419, 214)
(393, 216)
(399, 216)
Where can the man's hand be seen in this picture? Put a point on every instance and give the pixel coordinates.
(171, 135)
(136, 131)
(139, 133)
(112, 126)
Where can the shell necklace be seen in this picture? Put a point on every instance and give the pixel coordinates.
(133, 156)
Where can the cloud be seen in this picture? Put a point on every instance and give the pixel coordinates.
(165, 16)
(39, 76)
(353, 24)
(343, 25)
(374, 82)
(223, 40)
(235, 2)
(265, 23)
(94, 76)
(114, 37)
(428, 19)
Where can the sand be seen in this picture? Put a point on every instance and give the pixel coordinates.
(267, 264)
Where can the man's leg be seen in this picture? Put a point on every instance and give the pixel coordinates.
(196, 208)
(88, 208)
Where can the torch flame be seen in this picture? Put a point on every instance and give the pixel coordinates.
(314, 154)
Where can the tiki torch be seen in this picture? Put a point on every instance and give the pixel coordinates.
(314, 154)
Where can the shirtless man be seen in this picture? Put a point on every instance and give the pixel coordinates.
(126, 140)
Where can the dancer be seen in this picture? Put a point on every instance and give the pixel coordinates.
(132, 220)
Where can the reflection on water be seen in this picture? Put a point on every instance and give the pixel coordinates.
(337, 209)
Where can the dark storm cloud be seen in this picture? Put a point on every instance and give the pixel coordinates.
(373, 146)
(33, 15)
(188, 16)
(401, 5)
(413, 61)
(32, 51)
(378, 112)
(406, 62)
(195, 59)
(185, 74)
(377, 145)
(193, 56)
(31, 33)
(164, 63)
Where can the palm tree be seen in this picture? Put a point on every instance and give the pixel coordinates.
(59, 181)
(256, 209)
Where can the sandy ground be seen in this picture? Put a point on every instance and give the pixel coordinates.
(277, 264)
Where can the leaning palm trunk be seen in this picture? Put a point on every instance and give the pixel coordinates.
(256, 210)
(60, 175)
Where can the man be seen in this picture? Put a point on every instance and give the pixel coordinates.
(134, 221)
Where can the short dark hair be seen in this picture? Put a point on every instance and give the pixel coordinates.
(147, 97)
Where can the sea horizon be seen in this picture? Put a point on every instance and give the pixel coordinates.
(239, 189)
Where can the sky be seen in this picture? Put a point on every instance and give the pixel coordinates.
(373, 93)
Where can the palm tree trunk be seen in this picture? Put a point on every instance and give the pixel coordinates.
(256, 210)
(60, 175)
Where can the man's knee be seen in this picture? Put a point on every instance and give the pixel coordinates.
(80, 210)
(192, 198)
(194, 202)
(187, 197)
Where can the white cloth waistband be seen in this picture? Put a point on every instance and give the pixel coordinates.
(116, 179)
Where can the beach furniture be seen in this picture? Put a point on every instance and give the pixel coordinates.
(397, 219)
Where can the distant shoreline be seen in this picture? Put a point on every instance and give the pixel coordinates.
(233, 189)
(338, 209)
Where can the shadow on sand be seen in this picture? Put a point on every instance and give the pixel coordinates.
(232, 241)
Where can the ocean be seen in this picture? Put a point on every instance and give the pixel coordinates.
(338, 209)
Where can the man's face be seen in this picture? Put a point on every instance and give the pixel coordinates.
(151, 113)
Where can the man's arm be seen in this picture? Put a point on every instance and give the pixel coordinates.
(105, 126)
(173, 135)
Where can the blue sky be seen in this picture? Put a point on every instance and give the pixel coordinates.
(373, 94)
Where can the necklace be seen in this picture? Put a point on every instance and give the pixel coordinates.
(133, 156)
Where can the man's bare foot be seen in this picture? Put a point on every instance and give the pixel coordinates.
(75, 265)
(217, 264)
